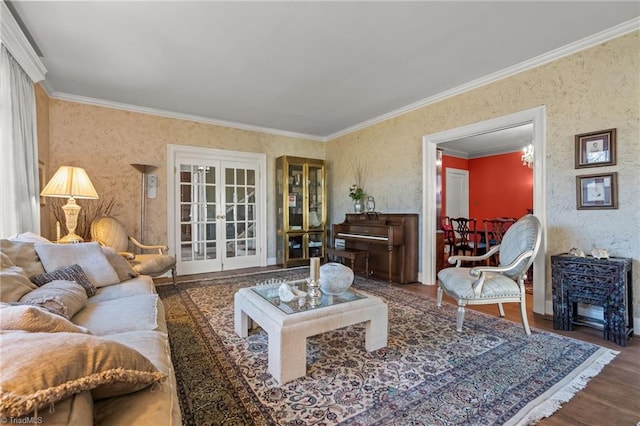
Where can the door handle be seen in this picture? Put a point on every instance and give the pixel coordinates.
(220, 216)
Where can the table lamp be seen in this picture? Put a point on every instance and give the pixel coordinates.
(72, 182)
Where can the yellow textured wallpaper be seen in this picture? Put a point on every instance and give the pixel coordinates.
(107, 141)
(595, 89)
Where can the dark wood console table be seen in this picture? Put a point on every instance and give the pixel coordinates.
(601, 282)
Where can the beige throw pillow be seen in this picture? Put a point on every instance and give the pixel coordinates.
(35, 319)
(88, 255)
(14, 283)
(120, 264)
(39, 369)
(23, 254)
(60, 297)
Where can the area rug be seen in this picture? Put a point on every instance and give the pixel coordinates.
(429, 374)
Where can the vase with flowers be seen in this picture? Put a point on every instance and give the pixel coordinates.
(356, 192)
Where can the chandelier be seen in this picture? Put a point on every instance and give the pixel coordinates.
(527, 156)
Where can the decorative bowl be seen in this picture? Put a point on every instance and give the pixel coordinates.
(335, 278)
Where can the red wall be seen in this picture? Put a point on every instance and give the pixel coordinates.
(499, 185)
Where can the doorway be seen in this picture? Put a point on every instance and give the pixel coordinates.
(536, 116)
(217, 209)
(457, 192)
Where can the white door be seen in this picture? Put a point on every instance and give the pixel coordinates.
(457, 193)
(218, 218)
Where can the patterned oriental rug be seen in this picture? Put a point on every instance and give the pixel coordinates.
(429, 374)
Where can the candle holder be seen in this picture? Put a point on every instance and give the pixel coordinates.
(314, 292)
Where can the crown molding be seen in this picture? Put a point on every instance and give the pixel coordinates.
(569, 49)
(179, 116)
(17, 44)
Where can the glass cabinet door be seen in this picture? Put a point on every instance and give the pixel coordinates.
(295, 247)
(315, 244)
(315, 206)
(296, 196)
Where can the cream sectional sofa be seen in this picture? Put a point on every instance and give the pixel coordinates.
(115, 341)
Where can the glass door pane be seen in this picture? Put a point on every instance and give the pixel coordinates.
(240, 211)
(296, 173)
(198, 220)
(315, 196)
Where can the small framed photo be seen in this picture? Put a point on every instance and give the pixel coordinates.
(596, 149)
(597, 191)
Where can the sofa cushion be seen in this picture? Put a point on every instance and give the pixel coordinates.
(88, 255)
(69, 273)
(76, 410)
(120, 264)
(141, 285)
(122, 315)
(75, 362)
(35, 319)
(14, 283)
(60, 297)
(23, 254)
(156, 407)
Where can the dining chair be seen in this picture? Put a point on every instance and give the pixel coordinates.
(466, 238)
(494, 230)
(494, 284)
(449, 239)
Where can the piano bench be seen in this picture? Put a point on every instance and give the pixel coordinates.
(351, 254)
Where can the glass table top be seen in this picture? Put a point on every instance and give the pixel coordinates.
(269, 291)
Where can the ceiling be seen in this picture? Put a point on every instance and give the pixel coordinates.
(313, 69)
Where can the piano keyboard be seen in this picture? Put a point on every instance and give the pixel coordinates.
(361, 236)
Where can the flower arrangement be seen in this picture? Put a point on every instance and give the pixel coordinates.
(355, 192)
(360, 173)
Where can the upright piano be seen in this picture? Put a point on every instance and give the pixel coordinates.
(391, 240)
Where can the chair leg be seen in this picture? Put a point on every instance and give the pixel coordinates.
(460, 316)
(173, 275)
(525, 321)
(501, 309)
(439, 297)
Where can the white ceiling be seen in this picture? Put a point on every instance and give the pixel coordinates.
(318, 69)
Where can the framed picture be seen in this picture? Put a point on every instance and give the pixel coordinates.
(42, 180)
(597, 191)
(596, 149)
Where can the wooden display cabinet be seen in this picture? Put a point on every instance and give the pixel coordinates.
(301, 212)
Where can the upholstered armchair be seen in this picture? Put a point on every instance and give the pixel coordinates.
(494, 284)
(109, 232)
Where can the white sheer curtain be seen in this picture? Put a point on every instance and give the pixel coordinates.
(19, 186)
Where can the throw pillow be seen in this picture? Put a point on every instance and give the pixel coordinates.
(13, 281)
(34, 319)
(60, 297)
(70, 273)
(120, 264)
(23, 254)
(88, 255)
(74, 362)
(30, 237)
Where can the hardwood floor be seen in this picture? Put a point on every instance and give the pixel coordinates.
(610, 398)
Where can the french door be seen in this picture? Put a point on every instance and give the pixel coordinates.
(218, 221)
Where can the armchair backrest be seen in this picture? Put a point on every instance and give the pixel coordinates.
(523, 235)
(109, 232)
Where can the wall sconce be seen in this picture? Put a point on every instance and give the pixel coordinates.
(527, 156)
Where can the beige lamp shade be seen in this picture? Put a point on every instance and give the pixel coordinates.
(72, 182)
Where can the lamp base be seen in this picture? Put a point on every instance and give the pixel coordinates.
(71, 239)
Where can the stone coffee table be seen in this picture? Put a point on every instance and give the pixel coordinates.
(288, 324)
